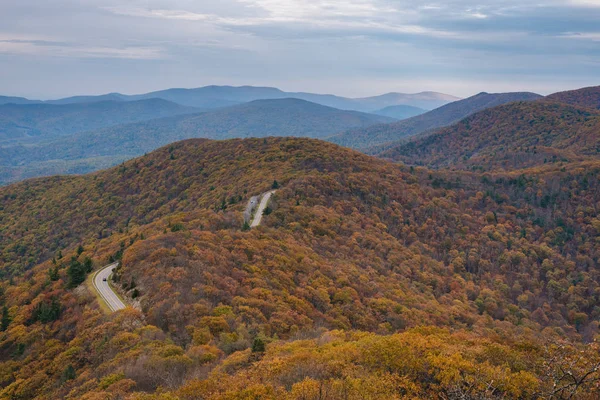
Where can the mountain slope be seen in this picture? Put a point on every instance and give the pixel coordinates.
(443, 116)
(586, 97)
(47, 121)
(400, 112)
(365, 278)
(513, 136)
(286, 117)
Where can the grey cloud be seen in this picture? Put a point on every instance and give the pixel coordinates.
(140, 45)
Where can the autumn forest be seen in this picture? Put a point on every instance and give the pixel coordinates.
(460, 262)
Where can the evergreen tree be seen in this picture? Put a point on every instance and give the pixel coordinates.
(77, 273)
(5, 321)
(258, 346)
(53, 273)
(45, 312)
(88, 265)
(275, 185)
(69, 373)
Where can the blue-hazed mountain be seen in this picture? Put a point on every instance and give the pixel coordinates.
(210, 97)
(426, 100)
(89, 99)
(400, 112)
(16, 100)
(202, 97)
(449, 114)
(20, 122)
(88, 151)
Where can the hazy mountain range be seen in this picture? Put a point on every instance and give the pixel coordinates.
(400, 112)
(223, 96)
(80, 135)
(446, 115)
(36, 137)
(90, 150)
(20, 122)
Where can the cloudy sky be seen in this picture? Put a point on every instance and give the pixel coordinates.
(54, 48)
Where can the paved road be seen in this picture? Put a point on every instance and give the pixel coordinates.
(250, 207)
(261, 208)
(104, 290)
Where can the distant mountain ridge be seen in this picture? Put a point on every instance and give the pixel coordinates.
(444, 116)
(400, 112)
(260, 118)
(89, 99)
(224, 96)
(425, 100)
(16, 100)
(23, 121)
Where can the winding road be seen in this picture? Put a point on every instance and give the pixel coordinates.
(101, 278)
(261, 208)
(104, 290)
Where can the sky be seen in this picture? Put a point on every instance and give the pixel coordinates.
(58, 48)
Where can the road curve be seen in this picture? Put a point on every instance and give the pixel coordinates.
(261, 208)
(104, 290)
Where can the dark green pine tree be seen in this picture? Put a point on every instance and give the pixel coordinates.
(258, 346)
(77, 273)
(246, 226)
(69, 373)
(88, 265)
(5, 321)
(53, 274)
(46, 312)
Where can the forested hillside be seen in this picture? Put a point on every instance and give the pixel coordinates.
(586, 97)
(513, 136)
(367, 279)
(449, 114)
(90, 151)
